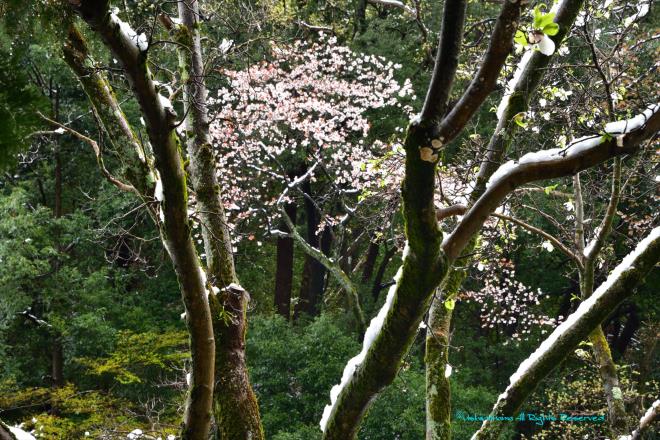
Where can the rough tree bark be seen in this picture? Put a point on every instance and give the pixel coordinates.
(425, 261)
(438, 405)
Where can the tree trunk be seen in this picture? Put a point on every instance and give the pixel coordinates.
(380, 273)
(160, 121)
(57, 361)
(284, 270)
(438, 389)
(629, 329)
(311, 286)
(360, 17)
(370, 262)
(235, 405)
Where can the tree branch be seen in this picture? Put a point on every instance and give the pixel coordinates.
(548, 164)
(551, 238)
(485, 79)
(619, 286)
(446, 61)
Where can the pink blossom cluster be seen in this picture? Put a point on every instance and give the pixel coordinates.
(308, 102)
(508, 304)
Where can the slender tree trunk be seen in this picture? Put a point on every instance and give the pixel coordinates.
(57, 359)
(360, 17)
(438, 389)
(311, 286)
(599, 345)
(57, 353)
(606, 367)
(380, 273)
(160, 121)
(284, 270)
(629, 329)
(370, 262)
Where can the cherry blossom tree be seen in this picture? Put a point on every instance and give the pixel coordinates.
(303, 112)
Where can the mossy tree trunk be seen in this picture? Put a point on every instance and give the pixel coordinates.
(160, 121)
(599, 345)
(235, 406)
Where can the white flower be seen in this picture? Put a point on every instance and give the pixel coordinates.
(546, 45)
(547, 246)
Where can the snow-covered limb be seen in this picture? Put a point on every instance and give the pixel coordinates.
(547, 164)
(519, 91)
(370, 334)
(645, 422)
(395, 4)
(619, 285)
(512, 85)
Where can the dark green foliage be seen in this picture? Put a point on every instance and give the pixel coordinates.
(19, 102)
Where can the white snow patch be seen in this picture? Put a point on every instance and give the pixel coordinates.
(632, 124)
(369, 336)
(20, 434)
(165, 102)
(140, 41)
(513, 82)
(576, 147)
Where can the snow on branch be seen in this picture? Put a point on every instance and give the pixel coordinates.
(369, 337)
(395, 4)
(578, 146)
(619, 285)
(645, 422)
(622, 137)
(139, 41)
